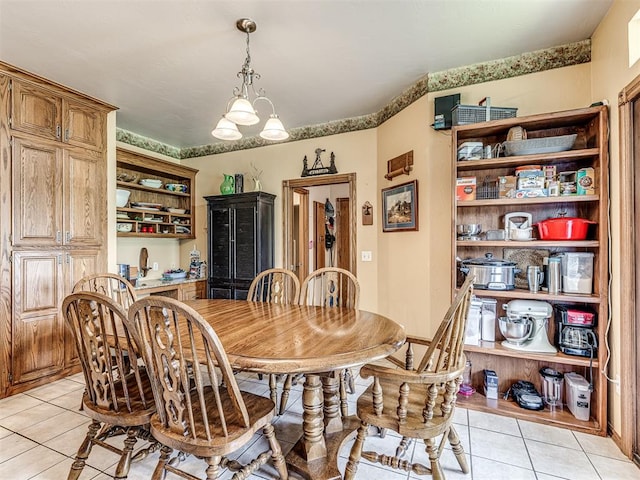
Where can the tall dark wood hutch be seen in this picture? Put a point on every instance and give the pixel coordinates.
(241, 241)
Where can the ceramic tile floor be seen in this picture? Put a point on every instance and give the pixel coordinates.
(41, 429)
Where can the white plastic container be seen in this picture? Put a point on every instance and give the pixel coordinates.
(578, 395)
(488, 319)
(472, 332)
(577, 272)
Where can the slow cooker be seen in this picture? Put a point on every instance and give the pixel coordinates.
(490, 273)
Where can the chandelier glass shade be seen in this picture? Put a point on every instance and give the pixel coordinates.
(241, 109)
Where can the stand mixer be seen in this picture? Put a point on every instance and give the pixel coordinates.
(524, 327)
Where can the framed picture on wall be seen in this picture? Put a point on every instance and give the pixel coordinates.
(400, 207)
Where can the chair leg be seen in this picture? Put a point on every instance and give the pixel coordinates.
(122, 470)
(286, 389)
(344, 405)
(458, 451)
(276, 452)
(84, 451)
(356, 453)
(273, 388)
(404, 445)
(159, 473)
(213, 467)
(434, 458)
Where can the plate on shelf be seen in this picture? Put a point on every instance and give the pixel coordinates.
(151, 182)
(122, 215)
(180, 229)
(152, 209)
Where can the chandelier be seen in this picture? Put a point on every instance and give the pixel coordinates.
(240, 109)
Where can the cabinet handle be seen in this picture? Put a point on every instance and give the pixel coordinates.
(58, 130)
(68, 258)
(59, 259)
(67, 236)
(66, 134)
(58, 236)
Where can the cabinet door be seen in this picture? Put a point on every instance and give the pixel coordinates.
(220, 243)
(37, 193)
(84, 197)
(37, 347)
(244, 241)
(84, 126)
(78, 264)
(35, 110)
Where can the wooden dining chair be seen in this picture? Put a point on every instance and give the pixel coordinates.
(276, 285)
(118, 395)
(330, 287)
(333, 287)
(417, 401)
(114, 286)
(200, 409)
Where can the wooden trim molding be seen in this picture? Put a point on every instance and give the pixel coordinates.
(628, 279)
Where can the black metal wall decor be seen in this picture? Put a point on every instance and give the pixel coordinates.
(317, 168)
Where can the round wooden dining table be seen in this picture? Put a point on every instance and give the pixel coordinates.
(314, 341)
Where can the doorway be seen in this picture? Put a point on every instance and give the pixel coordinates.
(629, 114)
(345, 219)
(300, 232)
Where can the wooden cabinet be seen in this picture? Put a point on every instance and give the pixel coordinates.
(590, 150)
(155, 212)
(41, 345)
(241, 241)
(58, 194)
(53, 218)
(181, 290)
(46, 113)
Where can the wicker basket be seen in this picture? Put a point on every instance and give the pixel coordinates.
(466, 114)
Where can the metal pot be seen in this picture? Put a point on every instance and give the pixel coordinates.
(490, 273)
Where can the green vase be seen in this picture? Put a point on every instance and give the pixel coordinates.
(227, 187)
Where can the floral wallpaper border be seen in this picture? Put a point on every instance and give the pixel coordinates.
(530, 62)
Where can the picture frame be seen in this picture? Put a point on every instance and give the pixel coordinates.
(400, 207)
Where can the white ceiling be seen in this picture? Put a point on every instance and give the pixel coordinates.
(170, 65)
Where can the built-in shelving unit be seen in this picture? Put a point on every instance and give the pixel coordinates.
(157, 219)
(589, 150)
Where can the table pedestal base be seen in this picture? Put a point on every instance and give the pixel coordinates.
(325, 468)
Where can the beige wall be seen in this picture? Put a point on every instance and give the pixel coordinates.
(610, 73)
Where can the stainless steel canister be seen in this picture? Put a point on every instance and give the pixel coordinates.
(554, 275)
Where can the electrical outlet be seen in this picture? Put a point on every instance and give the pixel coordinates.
(618, 384)
(367, 256)
(155, 265)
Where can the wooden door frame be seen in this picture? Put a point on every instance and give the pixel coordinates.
(288, 187)
(303, 233)
(628, 278)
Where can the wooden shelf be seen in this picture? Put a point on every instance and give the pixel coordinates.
(541, 159)
(142, 166)
(540, 295)
(497, 349)
(531, 244)
(529, 201)
(163, 191)
(559, 417)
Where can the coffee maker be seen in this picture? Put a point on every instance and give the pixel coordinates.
(575, 332)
